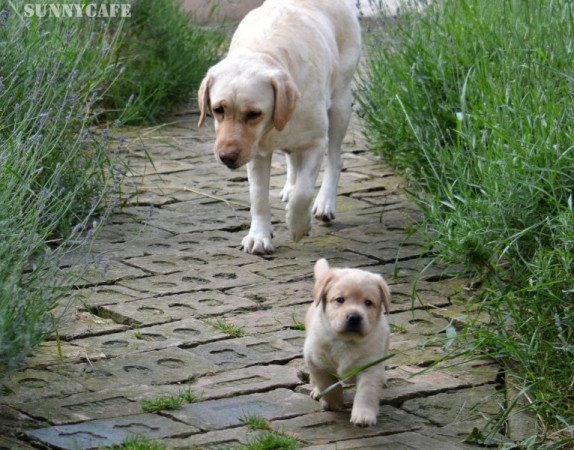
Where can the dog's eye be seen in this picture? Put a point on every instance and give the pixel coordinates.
(219, 110)
(252, 115)
(368, 302)
(340, 300)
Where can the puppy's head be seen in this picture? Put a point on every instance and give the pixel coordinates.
(351, 300)
(248, 97)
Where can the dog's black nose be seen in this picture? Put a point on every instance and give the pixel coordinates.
(229, 159)
(354, 320)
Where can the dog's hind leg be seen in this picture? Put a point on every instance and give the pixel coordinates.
(290, 181)
(339, 116)
(305, 165)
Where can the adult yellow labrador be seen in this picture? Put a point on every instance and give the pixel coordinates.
(285, 85)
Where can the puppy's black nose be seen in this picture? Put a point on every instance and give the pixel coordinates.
(354, 320)
(229, 159)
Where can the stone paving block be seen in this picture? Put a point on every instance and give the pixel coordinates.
(103, 433)
(160, 166)
(182, 333)
(167, 308)
(417, 321)
(464, 405)
(250, 350)
(200, 256)
(104, 295)
(420, 294)
(331, 426)
(246, 381)
(50, 353)
(36, 384)
(104, 273)
(75, 323)
(187, 217)
(412, 349)
(278, 294)
(86, 406)
(292, 264)
(402, 441)
(214, 440)
(406, 382)
(126, 232)
(197, 244)
(172, 365)
(229, 412)
(200, 279)
(273, 319)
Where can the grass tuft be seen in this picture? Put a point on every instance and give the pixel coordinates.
(254, 422)
(227, 328)
(272, 440)
(139, 443)
(170, 402)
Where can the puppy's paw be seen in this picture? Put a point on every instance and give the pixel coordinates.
(314, 393)
(363, 417)
(324, 209)
(257, 244)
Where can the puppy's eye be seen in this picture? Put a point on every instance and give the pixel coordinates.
(219, 110)
(340, 300)
(252, 115)
(368, 302)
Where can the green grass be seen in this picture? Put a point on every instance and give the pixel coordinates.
(65, 86)
(272, 440)
(139, 443)
(164, 60)
(170, 402)
(472, 101)
(227, 328)
(254, 422)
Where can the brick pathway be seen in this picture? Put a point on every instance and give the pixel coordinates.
(168, 267)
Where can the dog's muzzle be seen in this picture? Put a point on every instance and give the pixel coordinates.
(354, 323)
(230, 159)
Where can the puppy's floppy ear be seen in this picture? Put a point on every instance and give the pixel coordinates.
(286, 95)
(322, 280)
(203, 99)
(385, 293)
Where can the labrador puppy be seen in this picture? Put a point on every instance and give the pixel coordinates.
(346, 328)
(285, 84)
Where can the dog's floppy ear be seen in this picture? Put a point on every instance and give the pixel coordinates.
(203, 99)
(322, 280)
(385, 293)
(286, 96)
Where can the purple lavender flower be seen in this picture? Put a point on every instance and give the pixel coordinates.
(4, 17)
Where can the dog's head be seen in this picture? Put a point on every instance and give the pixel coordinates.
(352, 300)
(248, 97)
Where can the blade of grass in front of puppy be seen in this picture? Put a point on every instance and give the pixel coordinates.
(352, 373)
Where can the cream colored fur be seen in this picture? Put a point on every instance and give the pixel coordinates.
(337, 341)
(285, 85)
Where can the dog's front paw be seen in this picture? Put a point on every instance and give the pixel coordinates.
(324, 209)
(363, 417)
(257, 244)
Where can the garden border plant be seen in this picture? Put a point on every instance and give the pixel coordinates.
(65, 85)
(472, 101)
